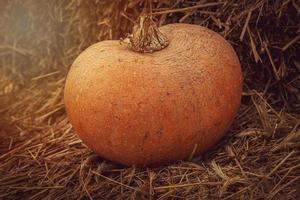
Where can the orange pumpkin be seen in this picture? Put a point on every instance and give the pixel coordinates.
(154, 108)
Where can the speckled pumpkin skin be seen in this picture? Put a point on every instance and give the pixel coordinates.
(149, 109)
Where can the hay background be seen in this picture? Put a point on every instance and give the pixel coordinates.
(42, 158)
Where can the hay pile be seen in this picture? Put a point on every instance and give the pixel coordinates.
(42, 158)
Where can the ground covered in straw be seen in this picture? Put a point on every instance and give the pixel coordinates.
(42, 158)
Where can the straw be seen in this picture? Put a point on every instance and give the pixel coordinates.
(41, 156)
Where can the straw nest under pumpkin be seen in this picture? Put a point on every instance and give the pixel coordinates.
(42, 158)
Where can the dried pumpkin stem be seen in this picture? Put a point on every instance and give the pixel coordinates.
(146, 37)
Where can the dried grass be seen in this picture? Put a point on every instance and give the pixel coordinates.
(42, 158)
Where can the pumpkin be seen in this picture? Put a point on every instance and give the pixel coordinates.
(153, 108)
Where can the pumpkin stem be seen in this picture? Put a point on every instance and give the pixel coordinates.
(146, 37)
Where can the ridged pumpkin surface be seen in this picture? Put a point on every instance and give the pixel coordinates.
(154, 108)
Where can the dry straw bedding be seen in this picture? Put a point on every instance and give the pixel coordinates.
(42, 158)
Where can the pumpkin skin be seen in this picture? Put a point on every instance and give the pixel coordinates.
(155, 108)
